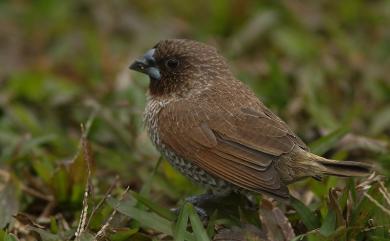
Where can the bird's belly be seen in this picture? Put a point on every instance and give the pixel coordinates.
(195, 173)
(190, 170)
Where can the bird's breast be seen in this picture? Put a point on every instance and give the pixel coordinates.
(151, 113)
(151, 120)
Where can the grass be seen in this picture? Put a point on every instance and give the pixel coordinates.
(321, 66)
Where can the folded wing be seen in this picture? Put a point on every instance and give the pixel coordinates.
(240, 148)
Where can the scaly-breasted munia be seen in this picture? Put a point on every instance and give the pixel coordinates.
(214, 129)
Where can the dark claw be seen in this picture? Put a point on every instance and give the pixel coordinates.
(200, 211)
(200, 200)
(227, 205)
(200, 203)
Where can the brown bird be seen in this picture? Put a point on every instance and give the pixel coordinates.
(214, 129)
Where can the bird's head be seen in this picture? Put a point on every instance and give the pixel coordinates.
(179, 65)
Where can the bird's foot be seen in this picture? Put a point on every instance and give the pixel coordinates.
(201, 204)
(200, 211)
(226, 205)
(202, 199)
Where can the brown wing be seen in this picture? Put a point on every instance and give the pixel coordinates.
(238, 145)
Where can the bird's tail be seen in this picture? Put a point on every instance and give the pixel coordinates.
(341, 168)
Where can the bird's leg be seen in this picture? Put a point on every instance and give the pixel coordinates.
(203, 203)
(202, 199)
(200, 211)
(227, 204)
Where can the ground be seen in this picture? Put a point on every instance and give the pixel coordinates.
(72, 144)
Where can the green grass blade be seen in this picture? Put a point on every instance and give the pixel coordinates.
(181, 224)
(45, 235)
(329, 223)
(10, 237)
(163, 212)
(199, 231)
(309, 218)
(211, 223)
(324, 143)
(147, 219)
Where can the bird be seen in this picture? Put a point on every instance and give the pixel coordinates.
(213, 129)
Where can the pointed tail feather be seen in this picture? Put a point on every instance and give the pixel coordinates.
(342, 168)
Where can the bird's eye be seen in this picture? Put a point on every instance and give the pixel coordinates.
(172, 63)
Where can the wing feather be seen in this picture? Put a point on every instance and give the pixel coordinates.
(240, 148)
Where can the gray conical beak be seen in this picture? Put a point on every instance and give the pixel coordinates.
(147, 65)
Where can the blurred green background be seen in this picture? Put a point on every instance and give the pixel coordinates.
(323, 66)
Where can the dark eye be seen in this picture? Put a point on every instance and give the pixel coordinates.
(172, 63)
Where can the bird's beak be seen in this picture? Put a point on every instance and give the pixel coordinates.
(147, 65)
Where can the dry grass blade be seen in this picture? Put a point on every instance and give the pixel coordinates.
(101, 202)
(284, 224)
(25, 219)
(102, 232)
(383, 190)
(35, 193)
(374, 178)
(335, 206)
(352, 142)
(87, 158)
(387, 211)
(277, 226)
(367, 183)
